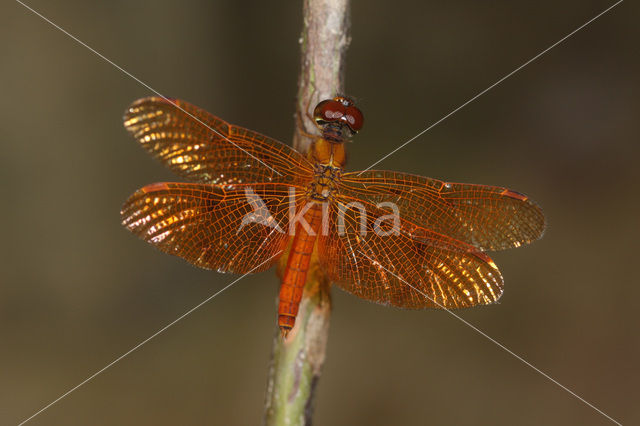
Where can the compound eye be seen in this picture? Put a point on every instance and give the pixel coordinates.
(354, 118)
(329, 110)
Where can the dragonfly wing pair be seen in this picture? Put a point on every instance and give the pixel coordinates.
(432, 257)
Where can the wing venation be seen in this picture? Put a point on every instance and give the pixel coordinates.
(412, 267)
(487, 217)
(204, 148)
(228, 228)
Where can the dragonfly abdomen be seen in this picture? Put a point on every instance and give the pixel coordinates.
(295, 273)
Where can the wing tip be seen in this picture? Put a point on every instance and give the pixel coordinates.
(153, 99)
(132, 112)
(126, 213)
(537, 222)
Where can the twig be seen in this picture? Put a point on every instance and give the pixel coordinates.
(296, 362)
(324, 42)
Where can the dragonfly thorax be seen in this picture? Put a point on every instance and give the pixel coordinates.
(328, 153)
(325, 182)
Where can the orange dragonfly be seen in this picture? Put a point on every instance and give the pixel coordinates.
(388, 237)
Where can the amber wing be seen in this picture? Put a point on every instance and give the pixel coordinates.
(228, 228)
(203, 148)
(486, 217)
(411, 268)
(435, 259)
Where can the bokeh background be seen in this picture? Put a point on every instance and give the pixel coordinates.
(77, 290)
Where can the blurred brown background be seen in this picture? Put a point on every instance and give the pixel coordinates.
(77, 290)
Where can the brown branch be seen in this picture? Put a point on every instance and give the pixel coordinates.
(296, 362)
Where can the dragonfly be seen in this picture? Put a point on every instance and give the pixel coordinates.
(388, 237)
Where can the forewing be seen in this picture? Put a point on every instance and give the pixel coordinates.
(411, 268)
(487, 217)
(228, 228)
(203, 148)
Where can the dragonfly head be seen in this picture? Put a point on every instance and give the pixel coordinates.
(338, 118)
